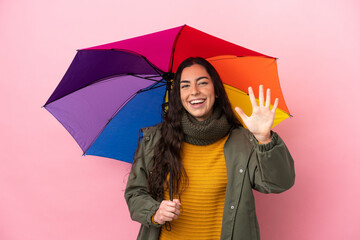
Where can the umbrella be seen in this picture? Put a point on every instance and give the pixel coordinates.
(112, 90)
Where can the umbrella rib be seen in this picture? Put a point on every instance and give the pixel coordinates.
(151, 88)
(152, 65)
(223, 58)
(147, 78)
(226, 57)
(173, 49)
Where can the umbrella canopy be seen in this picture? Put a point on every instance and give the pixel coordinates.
(111, 91)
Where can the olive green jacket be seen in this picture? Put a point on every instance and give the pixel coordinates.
(267, 168)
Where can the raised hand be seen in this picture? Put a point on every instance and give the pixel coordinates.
(262, 118)
(168, 211)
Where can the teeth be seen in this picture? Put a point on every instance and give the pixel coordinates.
(197, 101)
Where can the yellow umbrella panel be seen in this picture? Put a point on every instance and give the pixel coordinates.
(241, 99)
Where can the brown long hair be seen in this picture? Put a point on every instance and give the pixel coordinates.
(168, 149)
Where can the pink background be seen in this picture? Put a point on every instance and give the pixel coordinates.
(49, 191)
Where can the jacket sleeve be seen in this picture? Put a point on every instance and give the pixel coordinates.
(141, 205)
(271, 166)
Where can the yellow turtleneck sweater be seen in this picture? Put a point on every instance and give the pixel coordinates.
(202, 202)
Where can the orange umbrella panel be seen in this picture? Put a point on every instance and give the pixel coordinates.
(239, 73)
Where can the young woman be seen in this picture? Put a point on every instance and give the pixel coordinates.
(214, 162)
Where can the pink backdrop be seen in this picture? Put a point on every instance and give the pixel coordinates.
(49, 191)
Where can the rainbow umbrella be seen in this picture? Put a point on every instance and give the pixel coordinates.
(111, 91)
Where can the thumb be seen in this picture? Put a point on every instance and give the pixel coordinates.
(241, 113)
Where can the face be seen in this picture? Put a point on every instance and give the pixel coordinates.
(197, 92)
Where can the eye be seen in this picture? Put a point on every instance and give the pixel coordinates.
(184, 86)
(203, 83)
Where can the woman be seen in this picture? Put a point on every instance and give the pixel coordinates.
(214, 162)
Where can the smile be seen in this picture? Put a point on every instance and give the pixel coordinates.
(197, 101)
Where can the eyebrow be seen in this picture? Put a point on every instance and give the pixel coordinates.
(199, 78)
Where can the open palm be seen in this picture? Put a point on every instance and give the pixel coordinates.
(262, 118)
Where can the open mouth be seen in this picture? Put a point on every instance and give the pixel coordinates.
(197, 101)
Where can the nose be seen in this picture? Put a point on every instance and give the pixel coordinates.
(194, 89)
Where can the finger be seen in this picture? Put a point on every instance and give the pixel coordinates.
(169, 203)
(165, 208)
(170, 209)
(268, 98)
(261, 96)
(178, 207)
(171, 213)
(163, 213)
(275, 105)
(177, 202)
(163, 219)
(160, 217)
(252, 97)
(173, 206)
(241, 113)
(177, 212)
(172, 218)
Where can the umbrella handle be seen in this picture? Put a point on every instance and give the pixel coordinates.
(171, 186)
(168, 224)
